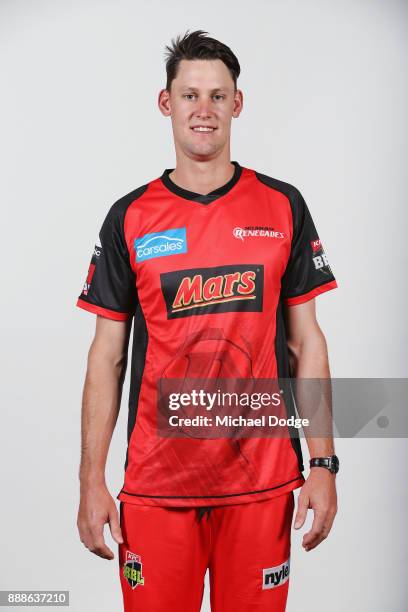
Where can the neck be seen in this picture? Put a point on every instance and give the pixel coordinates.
(202, 176)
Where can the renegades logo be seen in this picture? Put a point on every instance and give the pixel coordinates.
(132, 569)
(200, 291)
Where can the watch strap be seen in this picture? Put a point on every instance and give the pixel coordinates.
(330, 463)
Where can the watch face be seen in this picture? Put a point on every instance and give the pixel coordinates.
(335, 464)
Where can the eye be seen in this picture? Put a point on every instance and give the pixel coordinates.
(189, 96)
(219, 96)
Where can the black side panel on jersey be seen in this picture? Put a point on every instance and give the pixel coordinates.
(284, 373)
(307, 267)
(111, 280)
(301, 257)
(139, 349)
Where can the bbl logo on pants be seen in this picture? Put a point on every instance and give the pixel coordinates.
(132, 569)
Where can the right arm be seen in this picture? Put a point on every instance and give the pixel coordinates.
(106, 369)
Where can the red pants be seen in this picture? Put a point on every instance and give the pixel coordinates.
(166, 552)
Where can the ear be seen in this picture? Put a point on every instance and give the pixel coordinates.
(238, 103)
(163, 102)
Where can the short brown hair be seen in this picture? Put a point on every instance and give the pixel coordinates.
(197, 45)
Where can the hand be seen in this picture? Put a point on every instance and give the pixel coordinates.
(96, 508)
(319, 494)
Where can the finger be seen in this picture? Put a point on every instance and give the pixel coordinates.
(322, 535)
(114, 526)
(84, 533)
(323, 522)
(303, 505)
(318, 531)
(98, 545)
(100, 549)
(95, 545)
(317, 528)
(316, 541)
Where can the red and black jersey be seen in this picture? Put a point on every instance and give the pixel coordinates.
(203, 275)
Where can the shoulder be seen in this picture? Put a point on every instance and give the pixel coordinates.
(288, 189)
(114, 220)
(119, 208)
(298, 207)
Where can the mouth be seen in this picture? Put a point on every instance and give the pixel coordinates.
(203, 129)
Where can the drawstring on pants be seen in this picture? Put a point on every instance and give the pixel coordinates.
(203, 510)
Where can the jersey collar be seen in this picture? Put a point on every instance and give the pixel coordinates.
(199, 197)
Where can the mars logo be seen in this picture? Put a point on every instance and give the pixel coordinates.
(275, 576)
(200, 291)
(132, 570)
(320, 260)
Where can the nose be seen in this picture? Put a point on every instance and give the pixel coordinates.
(203, 110)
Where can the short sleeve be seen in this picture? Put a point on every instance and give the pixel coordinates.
(110, 286)
(307, 273)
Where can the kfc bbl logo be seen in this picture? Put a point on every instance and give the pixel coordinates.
(132, 569)
(320, 260)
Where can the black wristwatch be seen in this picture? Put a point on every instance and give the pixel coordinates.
(331, 463)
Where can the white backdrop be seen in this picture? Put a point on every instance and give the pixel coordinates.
(325, 99)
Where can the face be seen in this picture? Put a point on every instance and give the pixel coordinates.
(201, 104)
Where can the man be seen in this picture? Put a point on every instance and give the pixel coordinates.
(218, 266)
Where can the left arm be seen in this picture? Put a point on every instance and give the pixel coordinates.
(309, 359)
